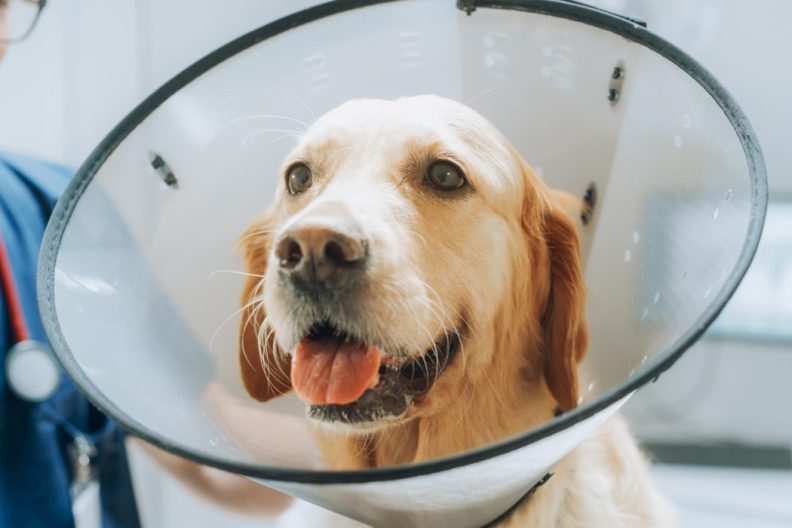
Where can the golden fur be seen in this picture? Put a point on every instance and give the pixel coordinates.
(500, 264)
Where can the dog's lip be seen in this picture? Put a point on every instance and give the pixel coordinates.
(419, 374)
(401, 380)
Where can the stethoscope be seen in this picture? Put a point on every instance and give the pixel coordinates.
(30, 368)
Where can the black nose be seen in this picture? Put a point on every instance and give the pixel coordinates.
(311, 254)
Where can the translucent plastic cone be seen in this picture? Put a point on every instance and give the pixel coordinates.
(142, 314)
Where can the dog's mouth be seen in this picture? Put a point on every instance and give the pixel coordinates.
(344, 379)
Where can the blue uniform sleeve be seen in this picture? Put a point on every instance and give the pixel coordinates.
(35, 472)
(29, 190)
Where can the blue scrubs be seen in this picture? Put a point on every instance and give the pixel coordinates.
(35, 468)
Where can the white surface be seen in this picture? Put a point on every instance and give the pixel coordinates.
(727, 498)
(720, 391)
(164, 502)
(87, 507)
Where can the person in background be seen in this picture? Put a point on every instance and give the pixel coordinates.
(62, 462)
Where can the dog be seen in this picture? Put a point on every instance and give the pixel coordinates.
(421, 290)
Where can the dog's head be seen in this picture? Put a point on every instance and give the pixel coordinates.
(409, 252)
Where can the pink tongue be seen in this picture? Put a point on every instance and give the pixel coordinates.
(324, 372)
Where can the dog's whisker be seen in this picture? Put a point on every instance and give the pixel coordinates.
(251, 316)
(482, 94)
(273, 373)
(467, 388)
(364, 448)
(269, 349)
(296, 98)
(457, 314)
(268, 116)
(435, 308)
(396, 300)
(257, 232)
(243, 240)
(418, 235)
(403, 308)
(220, 327)
(259, 131)
(280, 365)
(279, 138)
(495, 392)
(242, 344)
(234, 272)
(280, 130)
(265, 354)
(432, 346)
(274, 370)
(229, 318)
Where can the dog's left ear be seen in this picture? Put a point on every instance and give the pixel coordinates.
(564, 321)
(264, 368)
(547, 221)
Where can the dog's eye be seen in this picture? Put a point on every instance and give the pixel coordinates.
(299, 178)
(445, 176)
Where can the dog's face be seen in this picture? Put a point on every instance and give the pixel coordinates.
(406, 238)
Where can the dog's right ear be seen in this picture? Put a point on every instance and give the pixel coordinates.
(265, 369)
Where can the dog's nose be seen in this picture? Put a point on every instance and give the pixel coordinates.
(320, 252)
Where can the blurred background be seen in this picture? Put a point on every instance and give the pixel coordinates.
(718, 423)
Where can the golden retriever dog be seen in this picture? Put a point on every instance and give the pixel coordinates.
(420, 289)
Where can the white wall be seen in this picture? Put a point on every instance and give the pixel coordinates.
(89, 63)
(62, 90)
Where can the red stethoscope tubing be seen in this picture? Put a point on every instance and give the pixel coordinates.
(18, 326)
